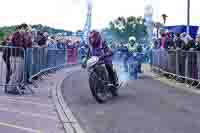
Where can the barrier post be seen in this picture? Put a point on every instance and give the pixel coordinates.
(40, 58)
(28, 63)
(159, 60)
(186, 66)
(55, 62)
(177, 62)
(151, 60)
(198, 64)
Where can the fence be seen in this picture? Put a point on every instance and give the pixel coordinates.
(179, 63)
(19, 65)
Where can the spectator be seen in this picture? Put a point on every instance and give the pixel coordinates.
(51, 43)
(28, 38)
(170, 40)
(164, 41)
(189, 42)
(179, 43)
(17, 37)
(42, 39)
(60, 44)
(34, 38)
(6, 58)
(28, 44)
(185, 37)
(21, 39)
(155, 43)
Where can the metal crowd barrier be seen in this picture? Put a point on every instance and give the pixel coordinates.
(18, 66)
(12, 65)
(180, 64)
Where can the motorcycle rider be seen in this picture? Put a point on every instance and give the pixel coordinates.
(99, 48)
(140, 57)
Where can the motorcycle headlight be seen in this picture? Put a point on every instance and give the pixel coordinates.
(92, 61)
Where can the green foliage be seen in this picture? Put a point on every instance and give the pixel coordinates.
(108, 34)
(5, 31)
(9, 29)
(2, 34)
(122, 28)
(50, 30)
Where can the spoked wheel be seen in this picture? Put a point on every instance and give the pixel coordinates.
(97, 83)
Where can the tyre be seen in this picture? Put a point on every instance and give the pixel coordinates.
(97, 83)
(114, 91)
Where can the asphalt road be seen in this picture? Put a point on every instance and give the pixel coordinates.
(31, 113)
(144, 106)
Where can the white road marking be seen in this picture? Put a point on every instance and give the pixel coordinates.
(30, 130)
(28, 113)
(29, 102)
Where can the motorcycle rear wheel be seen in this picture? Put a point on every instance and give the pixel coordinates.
(114, 89)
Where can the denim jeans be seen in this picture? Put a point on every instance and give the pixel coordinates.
(28, 63)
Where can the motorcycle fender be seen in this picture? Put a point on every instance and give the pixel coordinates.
(104, 67)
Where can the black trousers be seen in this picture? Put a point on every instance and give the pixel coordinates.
(112, 74)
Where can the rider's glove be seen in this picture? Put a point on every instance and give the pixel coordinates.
(102, 57)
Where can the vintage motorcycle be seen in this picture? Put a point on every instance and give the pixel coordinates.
(100, 85)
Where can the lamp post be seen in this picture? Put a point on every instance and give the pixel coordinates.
(188, 16)
(148, 16)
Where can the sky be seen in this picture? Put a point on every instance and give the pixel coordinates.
(71, 14)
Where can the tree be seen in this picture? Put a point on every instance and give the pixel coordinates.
(2, 34)
(158, 25)
(122, 28)
(79, 30)
(164, 16)
(50, 30)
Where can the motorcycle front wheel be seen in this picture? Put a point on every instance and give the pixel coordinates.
(97, 83)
